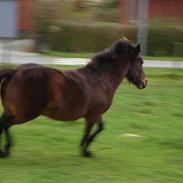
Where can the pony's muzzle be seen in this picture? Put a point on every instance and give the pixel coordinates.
(143, 83)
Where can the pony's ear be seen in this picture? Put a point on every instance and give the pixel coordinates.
(138, 48)
(123, 38)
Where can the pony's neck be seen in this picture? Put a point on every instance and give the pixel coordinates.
(116, 73)
(110, 75)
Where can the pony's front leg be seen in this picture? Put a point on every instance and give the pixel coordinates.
(84, 140)
(88, 138)
(100, 125)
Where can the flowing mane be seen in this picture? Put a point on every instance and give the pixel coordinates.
(110, 55)
(105, 56)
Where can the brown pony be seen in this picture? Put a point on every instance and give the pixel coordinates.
(31, 90)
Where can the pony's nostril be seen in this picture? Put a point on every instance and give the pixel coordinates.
(145, 83)
(146, 80)
(142, 84)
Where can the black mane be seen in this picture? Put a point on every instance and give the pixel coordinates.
(111, 55)
(106, 56)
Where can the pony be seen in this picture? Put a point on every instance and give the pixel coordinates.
(31, 90)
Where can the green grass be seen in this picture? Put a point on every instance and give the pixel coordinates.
(166, 58)
(46, 151)
(89, 55)
(67, 54)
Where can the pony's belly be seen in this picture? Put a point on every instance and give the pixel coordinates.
(64, 115)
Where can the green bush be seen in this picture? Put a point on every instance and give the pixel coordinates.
(75, 37)
(163, 40)
(87, 37)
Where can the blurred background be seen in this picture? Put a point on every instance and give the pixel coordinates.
(82, 26)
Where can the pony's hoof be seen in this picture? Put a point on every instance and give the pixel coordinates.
(82, 143)
(87, 154)
(3, 154)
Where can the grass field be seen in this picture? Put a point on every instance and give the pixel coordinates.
(46, 151)
(89, 55)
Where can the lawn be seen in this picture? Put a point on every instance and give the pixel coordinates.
(89, 55)
(46, 151)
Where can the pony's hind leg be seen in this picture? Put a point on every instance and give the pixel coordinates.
(5, 123)
(8, 144)
(1, 131)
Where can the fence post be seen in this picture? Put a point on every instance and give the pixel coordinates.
(142, 34)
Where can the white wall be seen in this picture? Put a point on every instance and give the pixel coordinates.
(8, 18)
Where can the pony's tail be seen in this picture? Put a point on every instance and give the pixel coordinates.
(6, 74)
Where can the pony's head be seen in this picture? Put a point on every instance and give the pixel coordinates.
(131, 53)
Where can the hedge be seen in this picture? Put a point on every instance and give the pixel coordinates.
(75, 37)
(165, 41)
(87, 37)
